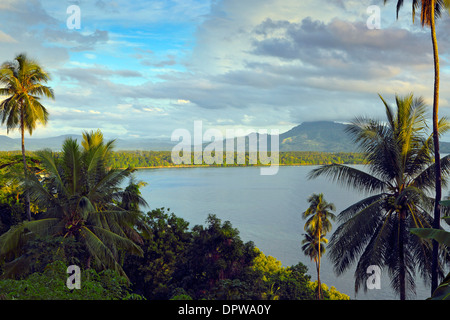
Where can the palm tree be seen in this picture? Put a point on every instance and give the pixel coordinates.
(430, 9)
(84, 200)
(318, 224)
(23, 79)
(399, 179)
(314, 248)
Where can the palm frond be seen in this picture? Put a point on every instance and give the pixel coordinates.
(72, 166)
(350, 238)
(426, 179)
(12, 241)
(50, 163)
(109, 183)
(97, 240)
(349, 177)
(355, 208)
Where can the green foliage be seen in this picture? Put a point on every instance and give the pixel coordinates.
(23, 82)
(317, 225)
(442, 292)
(180, 294)
(272, 281)
(329, 293)
(11, 190)
(441, 236)
(161, 159)
(50, 284)
(209, 262)
(215, 255)
(319, 214)
(206, 263)
(40, 252)
(82, 199)
(146, 159)
(165, 238)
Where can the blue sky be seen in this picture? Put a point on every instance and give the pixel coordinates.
(147, 68)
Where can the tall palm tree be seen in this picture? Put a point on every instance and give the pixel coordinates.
(84, 200)
(23, 81)
(314, 248)
(430, 9)
(318, 225)
(399, 180)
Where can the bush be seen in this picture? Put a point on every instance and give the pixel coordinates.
(51, 285)
(275, 282)
(329, 293)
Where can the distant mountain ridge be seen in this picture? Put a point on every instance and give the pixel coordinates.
(317, 136)
(322, 136)
(55, 143)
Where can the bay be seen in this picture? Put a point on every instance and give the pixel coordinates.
(265, 209)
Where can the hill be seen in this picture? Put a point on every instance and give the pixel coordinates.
(318, 136)
(55, 143)
(325, 136)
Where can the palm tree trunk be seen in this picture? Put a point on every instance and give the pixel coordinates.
(401, 255)
(25, 168)
(437, 207)
(319, 285)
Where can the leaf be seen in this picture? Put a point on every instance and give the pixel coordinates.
(441, 236)
(443, 291)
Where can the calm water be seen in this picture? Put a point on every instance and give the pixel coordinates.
(265, 209)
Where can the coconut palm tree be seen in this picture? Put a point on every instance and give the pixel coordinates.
(84, 200)
(399, 180)
(314, 248)
(318, 224)
(430, 9)
(23, 81)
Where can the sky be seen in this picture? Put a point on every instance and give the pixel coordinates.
(146, 68)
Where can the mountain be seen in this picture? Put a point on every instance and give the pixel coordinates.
(55, 143)
(33, 144)
(325, 136)
(145, 144)
(308, 136)
(317, 136)
(8, 144)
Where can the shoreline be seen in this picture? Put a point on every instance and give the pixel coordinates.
(230, 166)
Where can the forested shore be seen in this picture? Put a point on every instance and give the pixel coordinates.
(163, 159)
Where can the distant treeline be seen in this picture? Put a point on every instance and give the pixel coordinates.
(142, 159)
(150, 159)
